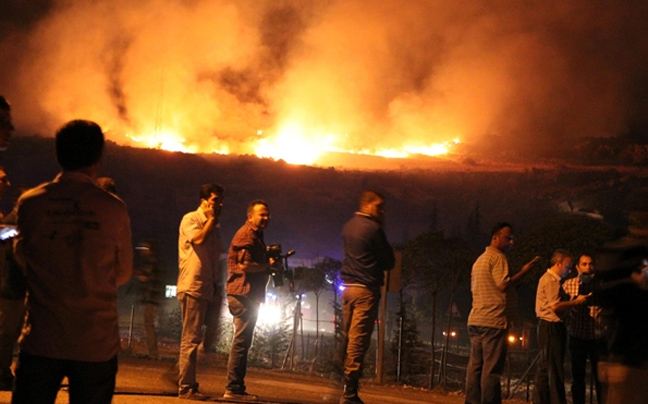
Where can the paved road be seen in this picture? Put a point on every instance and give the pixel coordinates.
(142, 381)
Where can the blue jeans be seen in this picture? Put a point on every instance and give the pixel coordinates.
(359, 311)
(485, 366)
(38, 380)
(245, 313)
(550, 378)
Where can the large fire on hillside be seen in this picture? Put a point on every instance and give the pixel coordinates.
(291, 144)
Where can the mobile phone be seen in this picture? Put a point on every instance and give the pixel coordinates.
(7, 231)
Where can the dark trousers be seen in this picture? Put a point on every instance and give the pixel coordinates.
(12, 316)
(550, 377)
(245, 313)
(359, 312)
(581, 350)
(485, 366)
(38, 380)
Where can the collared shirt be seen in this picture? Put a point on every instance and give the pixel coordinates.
(549, 294)
(75, 240)
(247, 249)
(583, 321)
(199, 270)
(491, 307)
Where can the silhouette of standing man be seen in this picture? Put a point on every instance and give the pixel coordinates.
(74, 241)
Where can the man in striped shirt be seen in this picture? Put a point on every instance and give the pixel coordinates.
(492, 287)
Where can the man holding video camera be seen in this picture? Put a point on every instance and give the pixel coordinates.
(247, 276)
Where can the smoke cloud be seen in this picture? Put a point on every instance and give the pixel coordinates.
(226, 75)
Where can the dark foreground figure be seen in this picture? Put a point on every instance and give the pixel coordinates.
(75, 244)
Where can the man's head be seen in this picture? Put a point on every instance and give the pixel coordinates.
(372, 203)
(561, 262)
(4, 182)
(585, 264)
(258, 214)
(211, 198)
(502, 236)
(6, 127)
(79, 145)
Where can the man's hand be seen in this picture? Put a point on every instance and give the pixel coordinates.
(581, 299)
(209, 212)
(529, 265)
(640, 278)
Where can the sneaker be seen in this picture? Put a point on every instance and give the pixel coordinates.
(245, 397)
(194, 395)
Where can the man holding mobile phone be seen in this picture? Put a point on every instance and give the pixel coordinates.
(199, 284)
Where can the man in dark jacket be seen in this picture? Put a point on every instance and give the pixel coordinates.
(366, 255)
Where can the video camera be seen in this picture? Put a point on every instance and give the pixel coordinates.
(279, 269)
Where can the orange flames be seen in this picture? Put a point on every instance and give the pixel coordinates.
(290, 143)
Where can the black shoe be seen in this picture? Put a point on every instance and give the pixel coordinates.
(245, 397)
(350, 395)
(351, 400)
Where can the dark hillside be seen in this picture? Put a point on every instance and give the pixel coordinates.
(309, 205)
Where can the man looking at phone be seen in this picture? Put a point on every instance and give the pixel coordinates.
(584, 330)
(199, 284)
(552, 304)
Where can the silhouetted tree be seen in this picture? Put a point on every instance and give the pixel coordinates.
(434, 263)
(314, 280)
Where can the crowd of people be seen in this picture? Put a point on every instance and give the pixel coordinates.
(600, 316)
(67, 246)
(71, 248)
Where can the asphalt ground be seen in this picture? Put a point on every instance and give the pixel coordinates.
(145, 381)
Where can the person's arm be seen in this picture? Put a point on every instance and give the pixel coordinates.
(245, 262)
(562, 306)
(124, 270)
(385, 252)
(201, 235)
(517, 278)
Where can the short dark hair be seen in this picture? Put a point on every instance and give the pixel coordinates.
(79, 144)
(584, 254)
(499, 226)
(369, 196)
(251, 205)
(207, 189)
(4, 104)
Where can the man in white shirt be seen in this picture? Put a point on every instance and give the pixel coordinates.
(200, 288)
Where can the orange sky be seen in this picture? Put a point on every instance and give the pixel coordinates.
(292, 79)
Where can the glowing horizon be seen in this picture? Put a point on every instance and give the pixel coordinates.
(291, 144)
